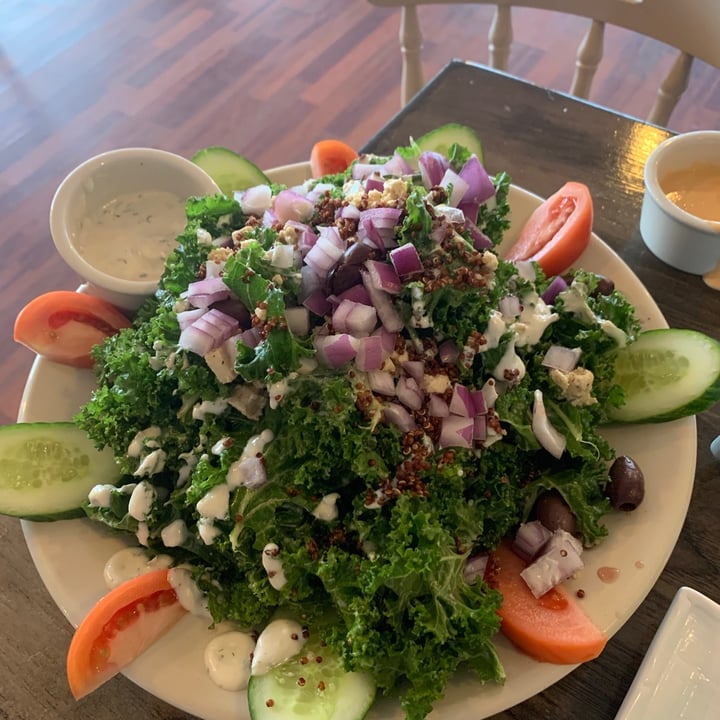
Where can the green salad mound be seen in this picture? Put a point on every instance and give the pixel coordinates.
(371, 504)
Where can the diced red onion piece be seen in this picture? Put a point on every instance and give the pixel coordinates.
(324, 254)
(557, 286)
(560, 561)
(383, 276)
(255, 200)
(397, 165)
(306, 237)
(480, 428)
(298, 320)
(186, 318)
(203, 293)
(381, 382)
(406, 260)
(415, 369)
(196, 340)
(388, 339)
(291, 205)
(455, 216)
(459, 187)
(374, 182)
(480, 240)
(357, 293)
(214, 269)
(250, 338)
(530, 539)
(456, 431)
(509, 306)
(318, 191)
(397, 415)
(334, 351)
(562, 358)
(378, 225)
(478, 401)
(360, 171)
(432, 166)
(480, 186)
(354, 318)
(461, 402)
(475, 567)
(370, 355)
(409, 393)
(469, 209)
(383, 303)
(550, 439)
(437, 407)
(350, 212)
(269, 219)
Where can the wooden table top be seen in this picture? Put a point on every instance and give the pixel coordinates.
(542, 139)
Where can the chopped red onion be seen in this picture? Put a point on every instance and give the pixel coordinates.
(437, 407)
(324, 253)
(415, 369)
(480, 428)
(309, 282)
(562, 358)
(406, 260)
(509, 306)
(480, 240)
(383, 303)
(255, 200)
(357, 293)
(378, 226)
(409, 393)
(556, 564)
(350, 212)
(480, 186)
(383, 276)
(196, 340)
(478, 401)
(354, 318)
(298, 320)
(469, 209)
(317, 303)
(334, 351)
(188, 317)
(475, 567)
(397, 165)
(432, 166)
(203, 293)
(370, 354)
(291, 205)
(218, 325)
(250, 338)
(397, 415)
(269, 219)
(374, 182)
(453, 215)
(305, 235)
(458, 189)
(381, 382)
(530, 539)
(388, 339)
(213, 268)
(456, 431)
(461, 402)
(557, 286)
(553, 441)
(360, 171)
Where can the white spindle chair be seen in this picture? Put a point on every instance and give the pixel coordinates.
(690, 26)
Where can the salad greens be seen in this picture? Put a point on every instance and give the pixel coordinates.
(289, 424)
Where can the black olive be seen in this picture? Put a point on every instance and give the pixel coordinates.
(626, 488)
(554, 513)
(357, 253)
(342, 278)
(605, 286)
(234, 308)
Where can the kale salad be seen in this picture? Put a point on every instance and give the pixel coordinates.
(340, 394)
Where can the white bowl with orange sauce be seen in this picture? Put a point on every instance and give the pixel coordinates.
(680, 217)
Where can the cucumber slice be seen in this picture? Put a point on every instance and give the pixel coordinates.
(47, 470)
(441, 140)
(667, 374)
(311, 686)
(229, 170)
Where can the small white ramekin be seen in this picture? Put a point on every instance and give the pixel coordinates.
(103, 178)
(676, 237)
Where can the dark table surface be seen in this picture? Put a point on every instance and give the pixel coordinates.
(542, 139)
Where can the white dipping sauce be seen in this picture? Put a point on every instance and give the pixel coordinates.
(278, 642)
(131, 236)
(227, 659)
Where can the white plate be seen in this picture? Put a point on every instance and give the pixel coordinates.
(680, 675)
(70, 555)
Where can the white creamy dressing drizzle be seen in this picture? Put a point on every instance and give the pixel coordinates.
(188, 593)
(273, 565)
(130, 563)
(141, 500)
(279, 641)
(327, 509)
(131, 236)
(228, 658)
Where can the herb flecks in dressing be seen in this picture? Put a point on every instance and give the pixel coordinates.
(131, 236)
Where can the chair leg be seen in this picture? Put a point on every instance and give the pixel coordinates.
(589, 55)
(411, 49)
(671, 89)
(500, 38)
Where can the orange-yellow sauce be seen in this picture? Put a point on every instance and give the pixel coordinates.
(695, 189)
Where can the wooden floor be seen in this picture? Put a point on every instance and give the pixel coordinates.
(265, 77)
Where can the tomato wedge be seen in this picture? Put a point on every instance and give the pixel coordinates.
(552, 628)
(63, 326)
(119, 628)
(331, 156)
(558, 231)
